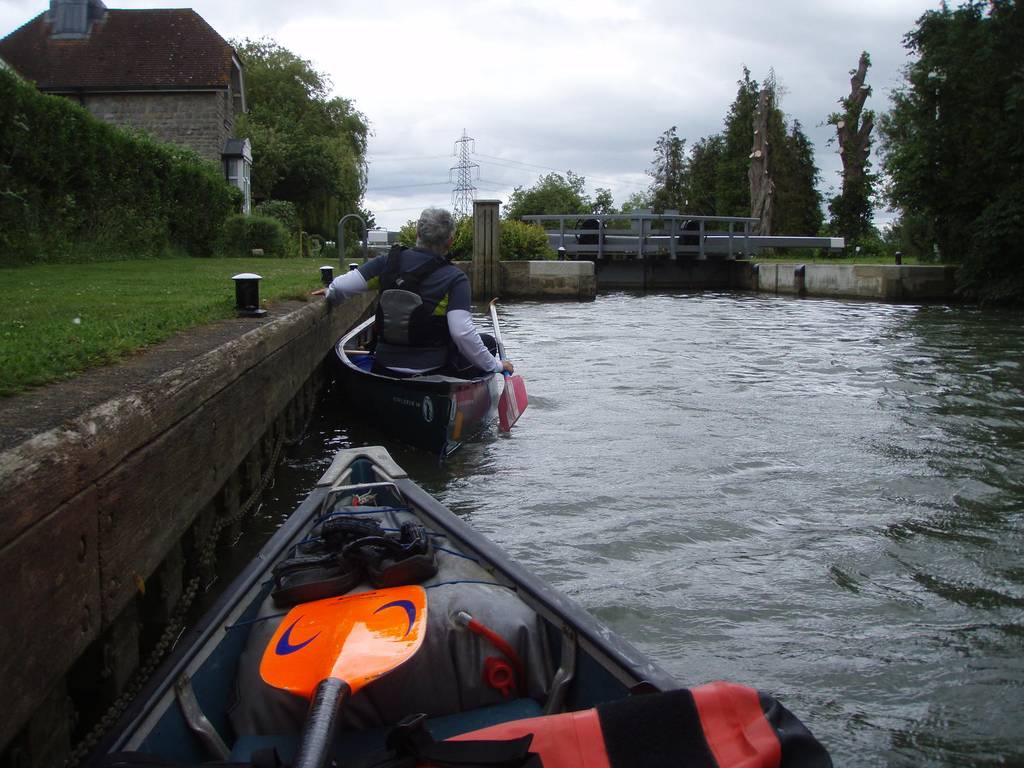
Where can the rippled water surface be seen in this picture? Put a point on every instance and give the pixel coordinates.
(821, 499)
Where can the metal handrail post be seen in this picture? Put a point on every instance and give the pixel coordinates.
(600, 238)
(341, 239)
(732, 227)
(700, 241)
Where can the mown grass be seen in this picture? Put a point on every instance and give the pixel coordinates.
(58, 320)
(813, 257)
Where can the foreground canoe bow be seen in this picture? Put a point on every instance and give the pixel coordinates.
(504, 670)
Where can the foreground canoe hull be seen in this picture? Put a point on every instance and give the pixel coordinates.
(433, 413)
(189, 712)
(604, 667)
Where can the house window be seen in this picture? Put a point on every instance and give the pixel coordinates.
(246, 170)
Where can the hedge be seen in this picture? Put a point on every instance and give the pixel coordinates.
(73, 188)
(517, 240)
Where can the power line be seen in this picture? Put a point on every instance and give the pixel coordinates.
(519, 162)
(409, 186)
(396, 158)
(396, 210)
(520, 165)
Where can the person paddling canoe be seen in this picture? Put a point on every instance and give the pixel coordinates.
(425, 325)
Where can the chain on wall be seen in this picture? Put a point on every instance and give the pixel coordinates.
(176, 623)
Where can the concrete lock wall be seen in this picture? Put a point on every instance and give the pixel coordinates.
(682, 274)
(539, 280)
(885, 282)
(107, 512)
(548, 279)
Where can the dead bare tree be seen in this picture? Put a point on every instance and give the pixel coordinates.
(851, 210)
(762, 187)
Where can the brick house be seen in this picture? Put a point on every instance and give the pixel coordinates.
(164, 71)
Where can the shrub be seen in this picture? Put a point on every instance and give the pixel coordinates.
(517, 240)
(282, 210)
(522, 241)
(462, 245)
(242, 234)
(407, 234)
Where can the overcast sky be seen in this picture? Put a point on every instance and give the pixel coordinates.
(586, 85)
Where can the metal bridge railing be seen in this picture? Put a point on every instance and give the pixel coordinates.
(677, 234)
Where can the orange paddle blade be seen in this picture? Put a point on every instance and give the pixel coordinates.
(355, 638)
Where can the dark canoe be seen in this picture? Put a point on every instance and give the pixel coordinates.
(435, 413)
(207, 701)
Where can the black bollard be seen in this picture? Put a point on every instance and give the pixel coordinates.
(561, 253)
(799, 279)
(326, 274)
(353, 265)
(899, 257)
(247, 295)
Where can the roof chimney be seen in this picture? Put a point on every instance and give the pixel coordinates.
(72, 19)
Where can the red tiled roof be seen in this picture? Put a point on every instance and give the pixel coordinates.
(148, 49)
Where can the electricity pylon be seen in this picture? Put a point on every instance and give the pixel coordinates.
(462, 176)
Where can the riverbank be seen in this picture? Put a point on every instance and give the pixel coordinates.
(57, 321)
(116, 487)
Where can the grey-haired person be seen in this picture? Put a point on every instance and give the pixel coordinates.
(424, 315)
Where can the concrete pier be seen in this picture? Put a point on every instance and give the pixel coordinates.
(883, 282)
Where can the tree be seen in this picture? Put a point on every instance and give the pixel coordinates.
(638, 201)
(732, 187)
(786, 154)
(759, 174)
(668, 172)
(797, 199)
(308, 149)
(852, 208)
(702, 175)
(603, 202)
(553, 194)
(951, 142)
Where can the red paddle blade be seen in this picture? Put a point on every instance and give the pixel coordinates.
(512, 403)
(355, 638)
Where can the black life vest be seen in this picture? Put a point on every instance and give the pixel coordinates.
(409, 335)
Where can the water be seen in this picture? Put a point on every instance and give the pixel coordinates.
(821, 499)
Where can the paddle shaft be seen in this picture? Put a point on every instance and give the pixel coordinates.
(321, 723)
(497, 331)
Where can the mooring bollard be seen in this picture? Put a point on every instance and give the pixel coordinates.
(353, 265)
(326, 274)
(899, 257)
(799, 279)
(561, 253)
(247, 295)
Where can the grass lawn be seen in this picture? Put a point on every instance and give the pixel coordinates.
(814, 257)
(57, 320)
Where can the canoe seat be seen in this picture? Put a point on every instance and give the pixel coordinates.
(353, 743)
